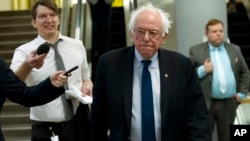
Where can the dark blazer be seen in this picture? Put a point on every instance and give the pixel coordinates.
(184, 115)
(13, 88)
(199, 53)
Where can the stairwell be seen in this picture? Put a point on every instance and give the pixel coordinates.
(15, 29)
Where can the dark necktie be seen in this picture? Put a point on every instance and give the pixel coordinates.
(68, 108)
(147, 110)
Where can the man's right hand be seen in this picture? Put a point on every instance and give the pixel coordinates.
(58, 79)
(208, 65)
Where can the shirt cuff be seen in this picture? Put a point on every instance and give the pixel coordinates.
(241, 95)
(201, 72)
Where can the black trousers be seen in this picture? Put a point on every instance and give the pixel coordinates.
(76, 129)
(42, 131)
(223, 112)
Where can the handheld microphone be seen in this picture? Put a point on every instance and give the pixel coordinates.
(43, 48)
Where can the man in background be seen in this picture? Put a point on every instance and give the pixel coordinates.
(224, 76)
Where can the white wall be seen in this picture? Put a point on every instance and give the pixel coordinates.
(191, 19)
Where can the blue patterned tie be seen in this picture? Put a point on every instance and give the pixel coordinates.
(147, 111)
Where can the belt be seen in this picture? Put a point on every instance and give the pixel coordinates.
(50, 124)
(224, 99)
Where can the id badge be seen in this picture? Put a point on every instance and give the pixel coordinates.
(54, 138)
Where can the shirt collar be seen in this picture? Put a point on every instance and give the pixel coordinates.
(139, 58)
(41, 40)
(212, 48)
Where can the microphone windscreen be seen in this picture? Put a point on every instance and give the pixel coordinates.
(43, 48)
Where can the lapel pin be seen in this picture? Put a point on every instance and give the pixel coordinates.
(236, 60)
(166, 75)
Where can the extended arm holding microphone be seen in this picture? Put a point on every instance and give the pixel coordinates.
(34, 60)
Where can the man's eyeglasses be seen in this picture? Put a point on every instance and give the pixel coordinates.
(151, 33)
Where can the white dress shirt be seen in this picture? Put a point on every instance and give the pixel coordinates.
(136, 103)
(73, 53)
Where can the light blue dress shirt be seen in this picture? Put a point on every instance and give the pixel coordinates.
(227, 68)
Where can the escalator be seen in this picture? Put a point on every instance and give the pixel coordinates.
(239, 28)
(118, 34)
(239, 34)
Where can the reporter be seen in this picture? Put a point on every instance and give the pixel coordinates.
(13, 88)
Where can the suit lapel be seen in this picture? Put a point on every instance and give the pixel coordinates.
(231, 54)
(165, 65)
(205, 51)
(126, 69)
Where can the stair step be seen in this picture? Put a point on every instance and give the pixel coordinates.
(15, 13)
(11, 45)
(28, 35)
(238, 28)
(17, 127)
(11, 109)
(18, 19)
(22, 133)
(18, 130)
(245, 51)
(16, 28)
(15, 17)
(117, 26)
(9, 120)
(237, 17)
(248, 62)
(118, 38)
(15, 122)
(240, 39)
(6, 54)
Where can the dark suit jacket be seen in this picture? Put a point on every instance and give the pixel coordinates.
(199, 53)
(184, 115)
(13, 88)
